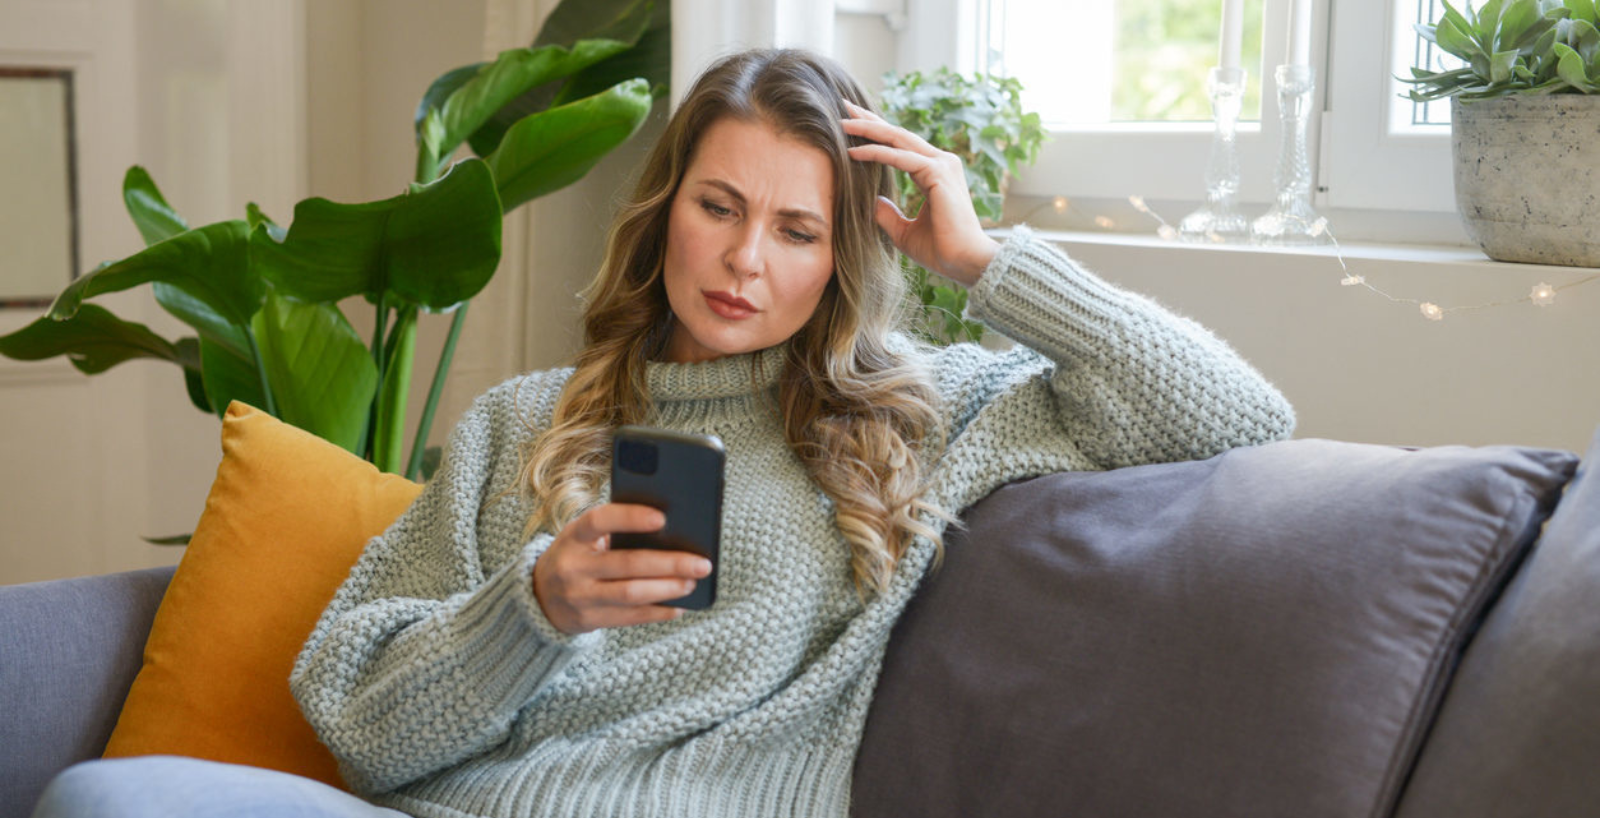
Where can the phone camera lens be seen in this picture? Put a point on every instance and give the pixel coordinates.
(636, 456)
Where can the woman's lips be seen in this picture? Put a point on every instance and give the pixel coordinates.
(729, 306)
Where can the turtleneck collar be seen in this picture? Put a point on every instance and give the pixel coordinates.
(728, 377)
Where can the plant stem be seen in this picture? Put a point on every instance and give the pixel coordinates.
(435, 391)
(381, 319)
(261, 371)
(393, 391)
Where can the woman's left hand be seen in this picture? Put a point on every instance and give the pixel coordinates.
(945, 237)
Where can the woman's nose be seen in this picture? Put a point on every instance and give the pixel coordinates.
(745, 257)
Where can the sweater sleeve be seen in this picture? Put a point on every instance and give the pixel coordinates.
(429, 649)
(1127, 381)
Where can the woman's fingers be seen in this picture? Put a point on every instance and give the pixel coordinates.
(634, 593)
(630, 564)
(878, 130)
(582, 584)
(611, 518)
(915, 164)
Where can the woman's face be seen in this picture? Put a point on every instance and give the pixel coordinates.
(749, 243)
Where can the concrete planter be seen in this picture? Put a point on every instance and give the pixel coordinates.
(1527, 172)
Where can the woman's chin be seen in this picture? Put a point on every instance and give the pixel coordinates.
(709, 346)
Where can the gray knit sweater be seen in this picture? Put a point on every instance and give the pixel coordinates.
(443, 690)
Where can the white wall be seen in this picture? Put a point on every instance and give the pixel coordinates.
(1360, 367)
(92, 463)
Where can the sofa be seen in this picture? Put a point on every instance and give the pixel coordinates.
(1306, 628)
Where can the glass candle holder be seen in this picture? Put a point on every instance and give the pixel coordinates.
(1291, 219)
(1219, 219)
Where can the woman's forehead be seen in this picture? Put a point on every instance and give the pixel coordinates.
(760, 163)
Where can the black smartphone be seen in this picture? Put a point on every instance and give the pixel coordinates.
(681, 474)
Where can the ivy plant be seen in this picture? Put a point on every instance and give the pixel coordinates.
(980, 119)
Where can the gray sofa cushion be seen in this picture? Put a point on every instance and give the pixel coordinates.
(1264, 633)
(71, 649)
(1519, 734)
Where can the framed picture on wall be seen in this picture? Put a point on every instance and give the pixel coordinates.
(38, 186)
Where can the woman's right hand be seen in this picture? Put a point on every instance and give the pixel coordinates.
(583, 585)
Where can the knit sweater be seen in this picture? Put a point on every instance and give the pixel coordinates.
(443, 690)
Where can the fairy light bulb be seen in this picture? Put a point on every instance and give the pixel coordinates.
(1353, 280)
(1543, 294)
(1138, 204)
(1167, 232)
(1431, 311)
(1060, 203)
(1105, 222)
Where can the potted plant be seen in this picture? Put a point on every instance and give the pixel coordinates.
(981, 120)
(263, 299)
(1523, 125)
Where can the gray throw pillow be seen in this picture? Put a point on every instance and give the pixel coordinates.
(1265, 633)
(1519, 734)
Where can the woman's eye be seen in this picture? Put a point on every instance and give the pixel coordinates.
(803, 238)
(715, 209)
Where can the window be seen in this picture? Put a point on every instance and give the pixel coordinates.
(1122, 61)
(1122, 84)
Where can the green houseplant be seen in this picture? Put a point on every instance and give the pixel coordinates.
(1522, 122)
(979, 119)
(263, 299)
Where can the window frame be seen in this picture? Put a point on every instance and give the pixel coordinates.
(1366, 164)
(1372, 163)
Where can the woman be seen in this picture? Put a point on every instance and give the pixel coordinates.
(489, 655)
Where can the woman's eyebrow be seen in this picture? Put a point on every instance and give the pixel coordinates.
(792, 212)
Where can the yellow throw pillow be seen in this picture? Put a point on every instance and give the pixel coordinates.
(286, 518)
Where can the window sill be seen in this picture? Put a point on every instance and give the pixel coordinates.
(1388, 255)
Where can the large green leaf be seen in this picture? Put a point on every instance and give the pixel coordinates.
(210, 264)
(156, 220)
(196, 313)
(436, 245)
(511, 74)
(650, 59)
(550, 150)
(320, 371)
(193, 375)
(229, 376)
(575, 20)
(644, 25)
(94, 340)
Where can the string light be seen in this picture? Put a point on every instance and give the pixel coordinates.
(1059, 204)
(1542, 295)
(1165, 231)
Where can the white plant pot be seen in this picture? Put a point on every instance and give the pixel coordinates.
(1527, 173)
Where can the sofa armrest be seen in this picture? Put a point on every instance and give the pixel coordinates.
(71, 650)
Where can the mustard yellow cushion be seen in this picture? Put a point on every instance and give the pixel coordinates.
(286, 518)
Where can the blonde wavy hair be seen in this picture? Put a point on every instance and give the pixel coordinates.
(862, 417)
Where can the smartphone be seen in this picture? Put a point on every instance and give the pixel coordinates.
(681, 474)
